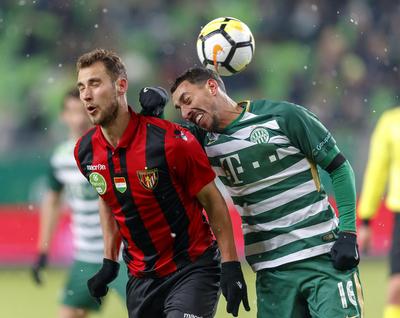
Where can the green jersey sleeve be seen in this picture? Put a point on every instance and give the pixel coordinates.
(308, 134)
(52, 182)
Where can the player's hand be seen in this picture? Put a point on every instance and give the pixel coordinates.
(364, 237)
(98, 283)
(233, 287)
(38, 267)
(344, 252)
(153, 101)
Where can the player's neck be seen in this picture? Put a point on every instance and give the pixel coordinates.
(114, 131)
(231, 112)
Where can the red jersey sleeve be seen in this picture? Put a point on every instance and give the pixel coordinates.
(190, 162)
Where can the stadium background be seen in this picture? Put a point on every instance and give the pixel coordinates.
(340, 59)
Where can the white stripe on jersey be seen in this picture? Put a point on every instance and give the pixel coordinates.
(84, 205)
(284, 239)
(249, 188)
(85, 232)
(228, 147)
(70, 176)
(86, 218)
(277, 200)
(300, 255)
(284, 152)
(239, 144)
(279, 140)
(288, 220)
(63, 161)
(89, 257)
(246, 131)
(92, 245)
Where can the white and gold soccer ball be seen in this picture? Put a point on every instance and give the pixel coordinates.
(225, 45)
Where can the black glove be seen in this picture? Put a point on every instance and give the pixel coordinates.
(153, 101)
(40, 264)
(344, 252)
(233, 287)
(98, 283)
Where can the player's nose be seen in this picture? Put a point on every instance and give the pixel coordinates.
(86, 95)
(185, 112)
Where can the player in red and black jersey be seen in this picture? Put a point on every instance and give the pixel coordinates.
(154, 180)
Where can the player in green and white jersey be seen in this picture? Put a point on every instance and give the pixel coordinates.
(66, 179)
(266, 154)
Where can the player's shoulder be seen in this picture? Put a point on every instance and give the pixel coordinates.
(391, 115)
(278, 108)
(176, 136)
(64, 149)
(84, 143)
(157, 122)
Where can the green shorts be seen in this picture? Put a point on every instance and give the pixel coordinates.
(309, 288)
(76, 293)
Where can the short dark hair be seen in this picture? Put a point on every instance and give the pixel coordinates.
(72, 93)
(112, 62)
(197, 75)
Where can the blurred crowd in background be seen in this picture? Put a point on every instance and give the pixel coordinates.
(338, 58)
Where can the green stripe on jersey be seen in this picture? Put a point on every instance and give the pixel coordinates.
(263, 160)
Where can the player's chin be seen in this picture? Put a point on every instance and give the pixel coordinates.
(204, 124)
(95, 120)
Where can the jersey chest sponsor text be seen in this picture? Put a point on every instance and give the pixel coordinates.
(248, 160)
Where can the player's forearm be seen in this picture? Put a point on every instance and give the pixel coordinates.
(345, 194)
(111, 235)
(49, 215)
(221, 226)
(218, 216)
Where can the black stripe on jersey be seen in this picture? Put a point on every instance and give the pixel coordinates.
(85, 151)
(138, 232)
(166, 196)
(335, 163)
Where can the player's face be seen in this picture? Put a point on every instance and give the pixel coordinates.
(197, 104)
(98, 94)
(75, 116)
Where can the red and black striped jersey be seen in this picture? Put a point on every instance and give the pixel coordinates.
(150, 181)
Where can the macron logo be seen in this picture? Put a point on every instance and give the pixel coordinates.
(96, 167)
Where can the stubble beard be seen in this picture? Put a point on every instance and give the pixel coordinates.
(108, 116)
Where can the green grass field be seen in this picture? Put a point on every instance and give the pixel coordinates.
(20, 298)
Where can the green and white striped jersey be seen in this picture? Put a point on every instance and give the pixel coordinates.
(83, 200)
(266, 159)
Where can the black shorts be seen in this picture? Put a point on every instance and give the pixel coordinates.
(192, 291)
(395, 249)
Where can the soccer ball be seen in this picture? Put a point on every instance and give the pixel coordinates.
(225, 45)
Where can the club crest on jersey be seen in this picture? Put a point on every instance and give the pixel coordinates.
(98, 182)
(180, 134)
(148, 178)
(259, 135)
(120, 184)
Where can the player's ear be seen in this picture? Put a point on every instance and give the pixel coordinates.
(212, 86)
(121, 85)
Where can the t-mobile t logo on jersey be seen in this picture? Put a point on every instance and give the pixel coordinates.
(232, 168)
